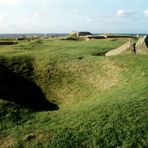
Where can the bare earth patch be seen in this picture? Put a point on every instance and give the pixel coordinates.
(6, 142)
(38, 137)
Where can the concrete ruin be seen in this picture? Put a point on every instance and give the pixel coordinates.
(79, 34)
(142, 45)
(128, 48)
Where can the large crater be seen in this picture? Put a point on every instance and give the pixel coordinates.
(16, 88)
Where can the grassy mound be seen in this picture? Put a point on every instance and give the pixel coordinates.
(102, 101)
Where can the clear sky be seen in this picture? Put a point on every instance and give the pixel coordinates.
(62, 16)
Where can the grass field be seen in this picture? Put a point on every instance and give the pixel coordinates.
(93, 101)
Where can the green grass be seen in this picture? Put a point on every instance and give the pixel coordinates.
(103, 101)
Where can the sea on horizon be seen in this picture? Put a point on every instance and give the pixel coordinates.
(29, 35)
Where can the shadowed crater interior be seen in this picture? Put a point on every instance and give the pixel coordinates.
(17, 89)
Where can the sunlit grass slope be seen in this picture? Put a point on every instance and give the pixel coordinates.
(102, 100)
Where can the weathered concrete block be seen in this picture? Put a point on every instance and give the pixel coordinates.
(142, 45)
(128, 48)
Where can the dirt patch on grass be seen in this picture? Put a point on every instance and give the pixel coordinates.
(6, 142)
(37, 137)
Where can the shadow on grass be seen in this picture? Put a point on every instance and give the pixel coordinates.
(15, 88)
(99, 53)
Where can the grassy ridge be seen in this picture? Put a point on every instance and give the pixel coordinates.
(102, 101)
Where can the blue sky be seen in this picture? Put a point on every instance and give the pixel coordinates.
(62, 16)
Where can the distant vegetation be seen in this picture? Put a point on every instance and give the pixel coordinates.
(93, 101)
